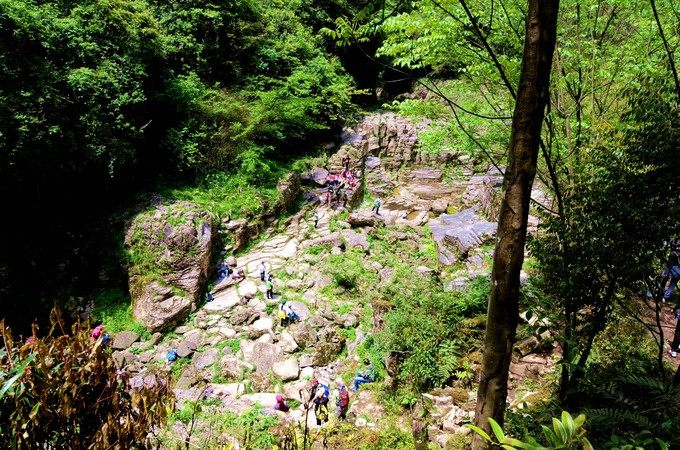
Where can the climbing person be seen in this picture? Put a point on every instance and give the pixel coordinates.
(97, 332)
(223, 270)
(376, 206)
(364, 376)
(291, 315)
(675, 345)
(270, 287)
(670, 276)
(320, 402)
(316, 219)
(345, 162)
(329, 194)
(263, 271)
(281, 404)
(171, 356)
(345, 197)
(238, 274)
(281, 314)
(342, 401)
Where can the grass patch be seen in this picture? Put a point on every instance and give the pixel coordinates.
(113, 308)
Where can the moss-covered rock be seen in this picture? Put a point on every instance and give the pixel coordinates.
(169, 251)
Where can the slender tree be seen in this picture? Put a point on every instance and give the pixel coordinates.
(532, 97)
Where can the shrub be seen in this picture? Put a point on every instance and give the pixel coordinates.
(63, 391)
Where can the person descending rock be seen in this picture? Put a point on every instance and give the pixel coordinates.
(281, 314)
(320, 402)
(291, 315)
(223, 270)
(238, 274)
(281, 404)
(270, 287)
(671, 276)
(316, 219)
(376, 206)
(364, 376)
(263, 271)
(675, 345)
(342, 401)
(171, 356)
(329, 194)
(345, 197)
(99, 333)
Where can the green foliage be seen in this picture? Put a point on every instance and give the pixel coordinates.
(425, 328)
(347, 269)
(113, 308)
(567, 433)
(62, 390)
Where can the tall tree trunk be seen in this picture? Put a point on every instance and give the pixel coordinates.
(501, 324)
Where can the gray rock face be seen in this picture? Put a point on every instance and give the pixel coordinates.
(354, 239)
(124, 340)
(364, 219)
(456, 234)
(263, 355)
(287, 370)
(484, 191)
(179, 239)
(207, 358)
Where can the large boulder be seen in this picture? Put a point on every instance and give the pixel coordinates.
(329, 346)
(287, 370)
(456, 234)
(485, 191)
(364, 219)
(170, 248)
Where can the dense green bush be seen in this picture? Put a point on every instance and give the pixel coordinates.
(425, 329)
(63, 391)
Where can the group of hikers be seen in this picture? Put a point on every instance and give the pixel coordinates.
(319, 396)
(340, 186)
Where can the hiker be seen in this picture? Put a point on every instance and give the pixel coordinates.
(329, 194)
(291, 315)
(281, 314)
(263, 271)
(316, 219)
(345, 162)
(320, 402)
(364, 376)
(100, 335)
(342, 401)
(238, 274)
(345, 197)
(171, 356)
(281, 404)
(223, 270)
(97, 332)
(209, 297)
(270, 287)
(675, 345)
(670, 276)
(376, 206)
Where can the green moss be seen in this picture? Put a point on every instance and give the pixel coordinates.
(113, 308)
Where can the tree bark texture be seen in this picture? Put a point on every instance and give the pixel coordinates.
(503, 311)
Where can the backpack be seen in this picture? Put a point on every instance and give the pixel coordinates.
(281, 314)
(105, 339)
(172, 355)
(322, 412)
(343, 399)
(326, 390)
